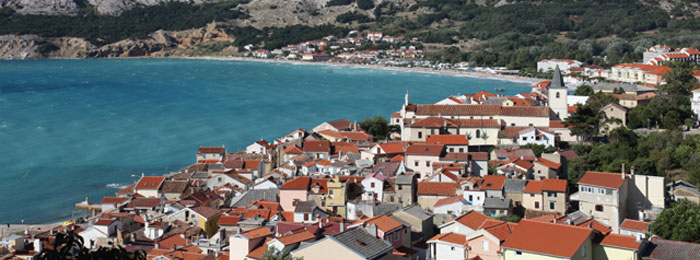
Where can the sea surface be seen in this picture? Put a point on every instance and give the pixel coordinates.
(71, 129)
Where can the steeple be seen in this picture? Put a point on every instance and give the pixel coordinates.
(557, 79)
(406, 98)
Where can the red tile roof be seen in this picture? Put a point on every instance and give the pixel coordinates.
(602, 179)
(114, 200)
(317, 146)
(448, 139)
(298, 183)
(472, 219)
(635, 225)
(452, 238)
(447, 201)
(622, 241)
(229, 220)
(205, 211)
(212, 150)
(548, 163)
(558, 240)
(293, 149)
(393, 147)
(384, 223)
(296, 238)
(257, 232)
(534, 186)
(150, 182)
(493, 182)
(425, 149)
(437, 188)
(258, 252)
(252, 164)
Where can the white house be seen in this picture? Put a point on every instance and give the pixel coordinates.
(260, 147)
(103, 228)
(154, 230)
(373, 186)
(695, 102)
(536, 136)
(564, 64)
(451, 205)
(448, 246)
(474, 199)
(265, 184)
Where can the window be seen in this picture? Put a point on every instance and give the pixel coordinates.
(415, 163)
(601, 190)
(331, 192)
(396, 236)
(558, 95)
(306, 216)
(512, 124)
(532, 195)
(432, 131)
(478, 133)
(551, 194)
(470, 198)
(427, 163)
(537, 204)
(524, 138)
(452, 248)
(461, 150)
(399, 186)
(599, 208)
(371, 185)
(552, 205)
(583, 250)
(204, 155)
(420, 134)
(530, 124)
(518, 253)
(452, 150)
(485, 245)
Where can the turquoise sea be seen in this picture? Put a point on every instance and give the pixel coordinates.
(71, 129)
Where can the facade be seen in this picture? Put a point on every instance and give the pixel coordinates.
(563, 64)
(546, 195)
(559, 242)
(603, 196)
(557, 95)
(638, 73)
(613, 110)
(536, 136)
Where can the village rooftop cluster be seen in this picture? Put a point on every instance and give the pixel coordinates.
(426, 193)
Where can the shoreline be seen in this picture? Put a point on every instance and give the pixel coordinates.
(447, 72)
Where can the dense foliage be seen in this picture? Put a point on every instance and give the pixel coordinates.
(339, 2)
(679, 222)
(377, 126)
(135, 23)
(668, 153)
(349, 17)
(71, 246)
(588, 120)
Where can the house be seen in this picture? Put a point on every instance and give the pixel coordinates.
(211, 155)
(149, 186)
(337, 126)
(636, 228)
(95, 235)
(679, 190)
(453, 143)
(448, 246)
(659, 249)
(473, 200)
(450, 206)
(358, 209)
(203, 217)
(261, 147)
(477, 131)
(241, 244)
(497, 207)
(352, 244)
(406, 189)
(615, 246)
(614, 111)
(315, 57)
(421, 156)
(536, 136)
(695, 100)
(294, 135)
(373, 185)
(513, 189)
(317, 148)
(307, 212)
(430, 193)
(545, 195)
(389, 169)
(174, 189)
(110, 203)
(515, 168)
(493, 185)
(486, 242)
(559, 242)
(603, 196)
(290, 242)
(464, 224)
(420, 220)
(387, 229)
(564, 64)
(627, 88)
(546, 169)
(292, 151)
(507, 154)
(294, 190)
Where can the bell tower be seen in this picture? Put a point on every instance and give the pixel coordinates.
(557, 96)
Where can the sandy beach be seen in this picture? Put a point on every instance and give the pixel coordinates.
(451, 72)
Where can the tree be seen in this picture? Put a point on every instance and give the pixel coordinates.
(273, 254)
(376, 126)
(509, 218)
(365, 4)
(71, 246)
(584, 90)
(584, 121)
(680, 222)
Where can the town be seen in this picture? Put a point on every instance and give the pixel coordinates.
(475, 176)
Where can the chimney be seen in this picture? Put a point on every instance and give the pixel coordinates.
(622, 174)
(632, 170)
(342, 225)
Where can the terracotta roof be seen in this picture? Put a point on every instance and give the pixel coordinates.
(317, 146)
(623, 241)
(296, 238)
(472, 219)
(341, 124)
(171, 242)
(174, 186)
(206, 212)
(257, 232)
(150, 182)
(595, 225)
(393, 147)
(635, 225)
(447, 201)
(293, 149)
(448, 139)
(114, 200)
(425, 149)
(500, 229)
(104, 222)
(437, 122)
(602, 179)
(534, 186)
(448, 110)
(558, 240)
(437, 188)
(398, 158)
(298, 183)
(228, 220)
(212, 150)
(452, 238)
(556, 124)
(493, 182)
(524, 111)
(258, 252)
(252, 164)
(383, 222)
(479, 156)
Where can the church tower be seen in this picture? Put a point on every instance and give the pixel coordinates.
(557, 96)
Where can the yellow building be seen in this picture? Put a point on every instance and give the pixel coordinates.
(614, 246)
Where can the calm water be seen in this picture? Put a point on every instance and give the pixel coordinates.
(70, 128)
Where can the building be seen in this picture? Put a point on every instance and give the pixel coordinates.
(558, 242)
(557, 95)
(551, 65)
(638, 73)
(421, 156)
(421, 221)
(211, 155)
(406, 188)
(547, 195)
(695, 101)
(536, 136)
(149, 186)
(614, 111)
(352, 244)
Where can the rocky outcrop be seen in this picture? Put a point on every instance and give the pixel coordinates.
(52, 7)
(158, 44)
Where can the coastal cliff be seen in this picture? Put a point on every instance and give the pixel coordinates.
(208, 40)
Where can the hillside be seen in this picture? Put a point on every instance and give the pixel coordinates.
(503, 33)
